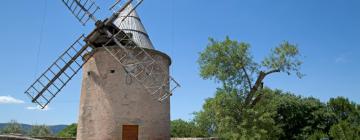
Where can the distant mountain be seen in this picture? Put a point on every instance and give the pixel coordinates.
(57, 128)
(26, 127)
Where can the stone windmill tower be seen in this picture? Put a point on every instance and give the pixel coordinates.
(126, 83)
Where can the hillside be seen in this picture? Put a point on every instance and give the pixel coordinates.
(26, 127)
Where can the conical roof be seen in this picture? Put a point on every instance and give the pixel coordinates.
(132, 24)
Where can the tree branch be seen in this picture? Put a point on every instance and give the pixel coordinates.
(247, 77)
(272, 71)
(257, 99)
(255, 88)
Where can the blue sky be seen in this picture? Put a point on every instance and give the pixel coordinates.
(327, 32)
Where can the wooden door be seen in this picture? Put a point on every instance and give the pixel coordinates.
(130, 132)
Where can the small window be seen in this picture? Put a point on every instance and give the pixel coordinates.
(88, 73)
(112, 71)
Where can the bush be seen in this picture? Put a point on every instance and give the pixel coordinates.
(13, 127)
(40, 131)
(69, 131)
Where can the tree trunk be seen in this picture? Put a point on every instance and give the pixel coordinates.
(255, 88)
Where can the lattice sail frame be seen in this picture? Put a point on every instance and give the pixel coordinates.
(54, 79)
(83, 10)
(143, 67)
(120, 5)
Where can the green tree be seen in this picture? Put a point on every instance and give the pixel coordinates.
(342, 107)
(40, 131)
(300, 117)
(69, 131)
(233, 112)
(345, 131)
(181, 128)
(318, 135)
(205, 119)
(348, 118)
(231, 63)
(13, 127)
(221, 117)
(243, 109)
(278, 115)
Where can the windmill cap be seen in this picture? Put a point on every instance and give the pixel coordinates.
(132, 24)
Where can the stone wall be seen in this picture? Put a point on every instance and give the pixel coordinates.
(195, 139)
(18, 137)
(9, 137)
(15, 137)
(54, 138)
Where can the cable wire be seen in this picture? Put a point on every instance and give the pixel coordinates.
(172, 27)
(172, 33)
(41, 36)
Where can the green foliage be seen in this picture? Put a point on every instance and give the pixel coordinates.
(13, 127)
(232, 113)
(342, 108)
(285, 58)
(348, 116)
(236, 111)
(258, 125)
(300, 117)
(222, 117)
(318, 135)
(40, 131)
(278, 116)
(224, 61)
(205, 119)
(180, 128)
(69, 131)
(231, 63)
(345, 131)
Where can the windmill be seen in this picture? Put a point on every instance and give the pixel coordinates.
(123, 76)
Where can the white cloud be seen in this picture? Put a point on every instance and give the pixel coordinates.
(38, 108)
(344, 58)
(341, 59)
(10, 100)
